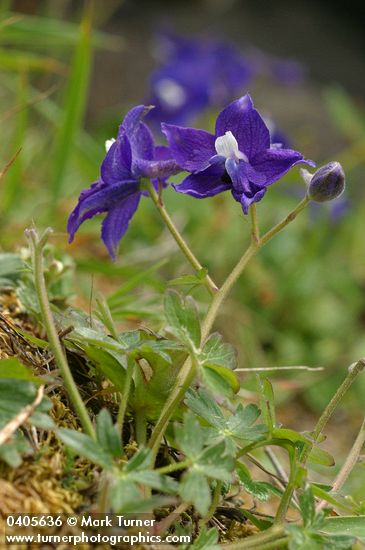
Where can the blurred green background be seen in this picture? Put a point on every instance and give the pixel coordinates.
(69, 72)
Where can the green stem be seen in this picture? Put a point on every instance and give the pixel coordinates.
(348, 466)
(184, 247)
(183, 380)
(141, 427)
(37, 245)
(125, 395)
(215, 502)
(174, 467)
(353, 371)
(107, 317)
(186, 373)
(258, 542)
(255, 231)
(290, 488)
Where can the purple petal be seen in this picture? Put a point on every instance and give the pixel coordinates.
(274, 163)
(246, 125)
(246, 201)
(163, 153)
(76, 217)
(116, 222)
(138, 133)
(204, 184)
(159, 169)
(99, 198)
(191, 148)
(117, 164)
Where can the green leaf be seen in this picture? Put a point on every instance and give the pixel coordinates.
(220, 380)
(320, 456)
(190, 280)
(85, 446)
(155, 480)
(291, 435)
(10, 266)
(259, 489)
(203, 404)
(345, 525)
(269, 402)
(332, 498)
(307, 506)
(216, 463)
(141, 460)
(182, 316)
(13, 451)
(14, 396)
(207, 540)
(108, 364)
(108, 434)
(190, 436)
(217, 353)
(194, 488)
(13, 368)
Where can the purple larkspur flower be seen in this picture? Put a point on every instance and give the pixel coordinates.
(239, 157)
(130, 157)
(196, 73)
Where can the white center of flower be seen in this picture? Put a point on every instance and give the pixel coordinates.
(109, 143)
(170, 92)
(227, 146)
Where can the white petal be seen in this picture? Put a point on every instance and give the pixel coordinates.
(109, 143)
(227, 146)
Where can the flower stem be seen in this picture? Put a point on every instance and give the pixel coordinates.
(348, 466)
(174, 467)
(125, 395)
(141, 427)
(255, 231)
(184, 247)
(37, 244)
(353, 371)
(259, 541)
(288, 493)
(186, 374)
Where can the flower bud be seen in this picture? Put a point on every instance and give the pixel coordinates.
(327, 183)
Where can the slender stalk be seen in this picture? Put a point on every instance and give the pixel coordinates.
(183, 380)
(37, 245)
(258, 542)
(214, 504)
(288, 493)
(349, 464)
(141, 427)
(255, 231)
(353, 371)
(184, 247)
(288, 219)
(174, 467)
(125, 395)
(107, 317)
(186, 373)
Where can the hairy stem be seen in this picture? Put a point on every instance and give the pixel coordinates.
(184, 247)
(37, 244)
(125, 395)
(348, 466)
(259, 541)
(353, 371)
(288, 493)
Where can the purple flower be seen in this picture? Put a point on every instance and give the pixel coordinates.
(239, 157)
(327, 183)
(197, 73)
(130, 157)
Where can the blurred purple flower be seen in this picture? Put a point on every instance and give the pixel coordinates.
(195, 74)
(239, 157)
(131, 157)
